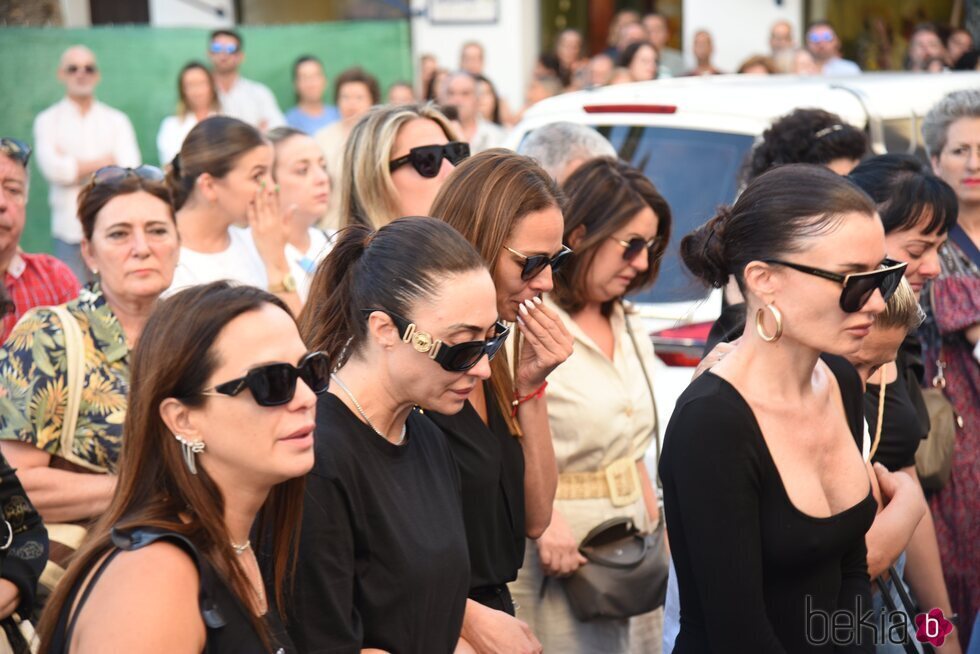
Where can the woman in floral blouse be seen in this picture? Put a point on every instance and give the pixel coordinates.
(130, 244)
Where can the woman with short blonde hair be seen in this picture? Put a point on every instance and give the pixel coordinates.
(375, 191)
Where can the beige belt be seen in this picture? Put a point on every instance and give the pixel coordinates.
(619, 481)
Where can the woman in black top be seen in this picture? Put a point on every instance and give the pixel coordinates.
(509, 209)
(383, 560)
(219, 434)
(767, 498)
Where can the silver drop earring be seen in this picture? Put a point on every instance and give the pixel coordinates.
(189, 449)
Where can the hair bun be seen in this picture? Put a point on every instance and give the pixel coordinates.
(703, 250)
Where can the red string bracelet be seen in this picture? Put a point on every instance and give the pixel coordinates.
(518, 400)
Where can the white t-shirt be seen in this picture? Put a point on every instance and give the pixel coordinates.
(240, 263)
(302, 265)
(173, 131)
(252, 102)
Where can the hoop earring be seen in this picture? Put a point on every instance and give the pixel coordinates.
(189, 449)
(759, 315)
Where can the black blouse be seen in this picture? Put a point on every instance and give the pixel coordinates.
(382, 557)
(750, 566)
(491, 469)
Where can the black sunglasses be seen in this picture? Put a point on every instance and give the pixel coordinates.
(427, 159)
(636, 245)
(71, 69)
(858, 287)
(16, 150)
(453, 358)
(533, 265)
(116, 174)
(275, 384)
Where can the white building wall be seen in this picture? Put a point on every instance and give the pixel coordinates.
(199, 13)
(511, 44)
(740, 28)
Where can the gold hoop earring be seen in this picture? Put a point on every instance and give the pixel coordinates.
(759, 315)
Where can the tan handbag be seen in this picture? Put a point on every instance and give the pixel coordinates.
(934, 458)
(65, 538)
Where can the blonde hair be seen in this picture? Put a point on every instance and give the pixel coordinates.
(367, 194)
(902, 310)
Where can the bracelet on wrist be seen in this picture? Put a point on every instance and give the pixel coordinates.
(518, 400)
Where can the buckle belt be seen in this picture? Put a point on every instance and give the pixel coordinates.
(618, 481)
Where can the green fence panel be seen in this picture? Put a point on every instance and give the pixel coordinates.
(139, 67)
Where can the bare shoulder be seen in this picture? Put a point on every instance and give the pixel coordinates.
(146, 601)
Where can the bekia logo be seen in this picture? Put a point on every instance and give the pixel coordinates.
(932, 627)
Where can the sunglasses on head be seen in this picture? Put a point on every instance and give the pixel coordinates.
(274, 384)
(636, 245)
(116, 174)
(858, 287)
(453, 358)
(16, 150)
(427, 159)
(91, 69)
(223, 48)
(533, 265)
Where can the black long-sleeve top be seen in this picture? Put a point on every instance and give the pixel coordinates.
(491, 469)
(24, 557)
(382, 556)
(747, 559)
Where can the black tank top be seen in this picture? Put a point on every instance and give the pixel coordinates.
(229, 629)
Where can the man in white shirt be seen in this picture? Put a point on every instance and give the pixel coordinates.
(241, 98)
(74, 138)
(823, 44)
(461, 91)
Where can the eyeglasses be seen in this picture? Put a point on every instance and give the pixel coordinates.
(858, 287)
(223, 48)
(636, 245)
(275, 384)
(820, 37)
(91, 69)
(427, 159)
(453, 358)
(533, 265)
(116, 174)
(16, 150)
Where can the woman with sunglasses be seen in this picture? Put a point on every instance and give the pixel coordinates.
(766, 495)
(511, 211)
(64, 385)
(382, 563)
(221, 184)
(219, 437)
(397, 159)
(600, 404)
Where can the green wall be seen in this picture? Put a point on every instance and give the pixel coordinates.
(139, 68)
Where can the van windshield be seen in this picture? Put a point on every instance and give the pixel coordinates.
(695, 171)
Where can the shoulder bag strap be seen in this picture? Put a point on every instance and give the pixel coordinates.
(646, 378)
(75, 356)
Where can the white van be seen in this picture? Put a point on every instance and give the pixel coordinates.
(691, 137)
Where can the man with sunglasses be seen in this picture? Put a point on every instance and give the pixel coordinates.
(823, 44)
(240, 98)
(29, 280)
(75, 137)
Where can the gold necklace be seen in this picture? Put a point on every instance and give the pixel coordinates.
(357, 406)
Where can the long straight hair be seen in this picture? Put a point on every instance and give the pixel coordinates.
(484, 199)
(175, 358)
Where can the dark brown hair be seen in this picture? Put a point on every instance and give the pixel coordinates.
(484, 199)
(380, 269)
(602, 196)
(357, 74)
(182, 106)
(214, 146)
(778, 211)
(93, 197)
(175, 358)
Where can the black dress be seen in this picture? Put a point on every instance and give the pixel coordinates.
(752, 568)
(382, 557)
(229, 629)
(491, 468)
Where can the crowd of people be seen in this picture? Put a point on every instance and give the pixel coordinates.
(253, 405)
